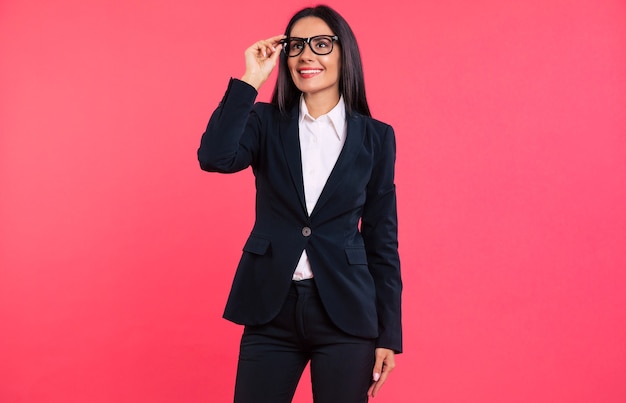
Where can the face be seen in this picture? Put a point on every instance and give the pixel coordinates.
(314, 74)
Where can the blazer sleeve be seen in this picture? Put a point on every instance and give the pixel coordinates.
(230, 141)
(379, 227)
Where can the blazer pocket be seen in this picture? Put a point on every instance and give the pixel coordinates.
(257, 245)
(356, 256)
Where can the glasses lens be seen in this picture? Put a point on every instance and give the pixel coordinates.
(322, 45)
(295, 47)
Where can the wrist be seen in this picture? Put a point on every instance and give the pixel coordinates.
(253, 81)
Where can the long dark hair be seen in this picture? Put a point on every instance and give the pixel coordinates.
(351, 82)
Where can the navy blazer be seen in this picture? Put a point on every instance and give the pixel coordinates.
(350, 237)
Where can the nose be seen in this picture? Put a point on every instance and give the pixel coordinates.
(307, 52)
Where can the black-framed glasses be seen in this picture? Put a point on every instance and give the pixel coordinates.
(319, 44)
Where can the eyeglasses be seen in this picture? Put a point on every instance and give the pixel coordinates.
(320, 45)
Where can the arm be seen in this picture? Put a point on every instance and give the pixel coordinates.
(230, 140)
(379, 227)
(380, 233)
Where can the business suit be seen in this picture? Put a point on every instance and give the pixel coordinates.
(352, 304)
(357, 272)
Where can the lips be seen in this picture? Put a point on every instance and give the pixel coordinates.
(309, 72)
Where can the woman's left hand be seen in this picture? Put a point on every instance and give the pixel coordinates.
(385, 363)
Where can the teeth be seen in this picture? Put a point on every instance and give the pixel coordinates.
(309, 71)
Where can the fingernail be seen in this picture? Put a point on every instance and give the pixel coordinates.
(376, 376)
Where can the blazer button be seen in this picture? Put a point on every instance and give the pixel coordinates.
(306, 231)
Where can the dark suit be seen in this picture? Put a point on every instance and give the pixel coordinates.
(357, 272)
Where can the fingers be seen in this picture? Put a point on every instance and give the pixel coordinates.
(261, 58)
(385, 363)
(275, 40)
(268, 47)
(276, 54)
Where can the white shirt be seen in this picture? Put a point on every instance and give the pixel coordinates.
(321, 141)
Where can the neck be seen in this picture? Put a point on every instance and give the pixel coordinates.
(321, 103)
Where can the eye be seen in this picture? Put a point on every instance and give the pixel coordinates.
(296, 45)
(322, 43)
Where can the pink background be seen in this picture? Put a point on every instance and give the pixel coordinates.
(117, 252)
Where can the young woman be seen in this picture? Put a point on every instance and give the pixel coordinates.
(319, 278)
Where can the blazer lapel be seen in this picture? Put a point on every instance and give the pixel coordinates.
(354, 142)
(291, 148)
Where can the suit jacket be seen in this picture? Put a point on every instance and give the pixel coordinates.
(350, 236)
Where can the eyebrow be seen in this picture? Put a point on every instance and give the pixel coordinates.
(307, 37)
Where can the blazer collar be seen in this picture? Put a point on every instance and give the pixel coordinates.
(355, 134)
(291, 149)
(354, 143)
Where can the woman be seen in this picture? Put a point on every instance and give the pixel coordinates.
(319, 278)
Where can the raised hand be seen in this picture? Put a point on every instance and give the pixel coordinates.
(261, 58)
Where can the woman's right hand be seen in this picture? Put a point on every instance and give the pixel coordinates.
(261, 58)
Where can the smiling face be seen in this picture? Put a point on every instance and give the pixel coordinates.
(313, 74)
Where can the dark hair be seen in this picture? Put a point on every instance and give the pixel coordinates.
(351, 82)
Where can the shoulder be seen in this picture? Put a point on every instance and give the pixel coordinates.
(271, 117)
(374, 126)
(264, 108)
(266, 111)
(371, 122)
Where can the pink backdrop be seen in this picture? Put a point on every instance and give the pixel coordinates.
(117, 252)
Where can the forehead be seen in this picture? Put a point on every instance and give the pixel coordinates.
(310, 26)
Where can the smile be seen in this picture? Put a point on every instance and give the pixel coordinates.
(308, 73)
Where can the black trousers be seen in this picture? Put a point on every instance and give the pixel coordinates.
(273, 356)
